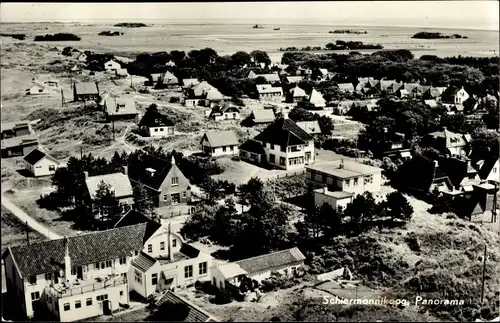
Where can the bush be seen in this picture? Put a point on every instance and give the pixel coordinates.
(174, 99)
(277, 281)
(57, 37)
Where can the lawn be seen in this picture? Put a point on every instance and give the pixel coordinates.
(14, 232)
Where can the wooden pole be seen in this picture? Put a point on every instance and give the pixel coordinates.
(113, 122)
(484, 274)
(27, 234)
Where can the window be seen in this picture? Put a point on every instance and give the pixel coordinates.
(154, 279)
(283, 148)
(203, 268)
(188, 271)
(73, 271)
(282, 161)
(156, 129)
(161, 129)
(162, 245)
(123, 261)
(66, 307)
(35, 296)
(272, 158)
(494, 170)
(78, 304)
(32, 280)
(355, 182)
(272, 146)
(109, 263)
(103, 265)
(184, 194)
(348, 182)
(89, 302)
(150, 248)
(52, 168)
(232, 148)
(136, 253)
(97, 266)
(224, 148)
(175, 181)
(138, 277)
(165, 197)
(48, 276)
(101, 298)
(174, 243)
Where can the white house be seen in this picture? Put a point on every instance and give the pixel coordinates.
(112, 65)
(346, 87)
(317, 99)
(38, 89)
(219, 143)
(39, 163)
(92, 274)
(489, 170)
(225, 112)
(285, 262)
(336, 199)
(283, 144)
(155, 124)
(269, 92)
(456, 96)
(344, 175)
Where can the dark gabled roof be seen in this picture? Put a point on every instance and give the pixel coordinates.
(284, 132)
(485, 169)
(252, 146)
(34, 156)
(143, 262)
(194, 314)
(189, 250)
(133, 217)
(270, 261)
(138, 172)
(48, 256)
(154, 118)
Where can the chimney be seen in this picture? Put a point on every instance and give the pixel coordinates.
(86, 174)
(125, 170)
(67, 259)
(341, 166)
(169, 244)
(325, 189)
(173, 160)
(444, 128)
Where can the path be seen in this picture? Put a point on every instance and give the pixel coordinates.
(25, 218)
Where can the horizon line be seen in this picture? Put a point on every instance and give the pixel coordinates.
(320, 22)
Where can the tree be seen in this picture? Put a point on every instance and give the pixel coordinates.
(177, 56)
(199, 224)
(240, 58)
(360, 212)
(105, 202)
(260, 57)
(143, 201)
(252, 192)
(397, 207)
(224, 226)
(260, 80)
(67, 51)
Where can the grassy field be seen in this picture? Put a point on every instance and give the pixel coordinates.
(14, 232)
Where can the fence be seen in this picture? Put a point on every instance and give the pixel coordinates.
(286, 175)
(88, 288)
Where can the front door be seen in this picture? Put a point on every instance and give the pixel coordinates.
(79, 272)
(106, 308)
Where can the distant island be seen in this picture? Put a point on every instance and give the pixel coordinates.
(257, 27)
(110, 33)
(427, 35)
(57, 37)
(130, 24)
(15, 36)
(276, 29)
(347, 31)
(338, 45)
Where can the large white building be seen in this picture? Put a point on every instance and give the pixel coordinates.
(92, 274)
(282, 144)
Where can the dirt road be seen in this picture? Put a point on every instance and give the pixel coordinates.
(25, 218)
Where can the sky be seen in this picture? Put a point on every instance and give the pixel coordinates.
(446, 14)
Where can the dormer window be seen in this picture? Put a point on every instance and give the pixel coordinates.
(150, 171)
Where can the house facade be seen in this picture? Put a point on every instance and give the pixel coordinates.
(285, 262)
(87, 91)
(284, 144)
(226, 112)
(167, 262)
(336, 199)
(40, 164)
(92, 274)
(448, 142)
(112, 65)
(269, 92)
(18, 146)
(345, 176)
(219, 143)
(155, 124)
(163, 179)
(119, 184)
